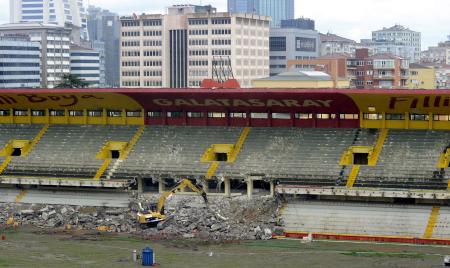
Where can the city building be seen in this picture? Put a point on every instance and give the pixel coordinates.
(421, 77)
(301, 79)
(335, 44)
(85, 64)
(299, 23)
(63, 13)
(447, 56)
(397, 40)
(278, 10)
(334, 65)
(181, 48)
(19, 62)
(55, 48)
(377, 71)
(291, 43)
(104, 31)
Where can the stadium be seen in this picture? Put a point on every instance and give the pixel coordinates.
(348, 164)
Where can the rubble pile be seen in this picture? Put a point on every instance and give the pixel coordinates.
(188, 217)
(222, 219)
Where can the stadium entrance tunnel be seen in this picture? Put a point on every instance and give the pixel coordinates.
(112, 150)
(15, 148)
(218, 152)
(356, 155)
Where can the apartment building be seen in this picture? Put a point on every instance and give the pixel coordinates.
(180, 48)
(19, 62)
(85, 64)
(54, 48)
(65, 13)
(377, 71)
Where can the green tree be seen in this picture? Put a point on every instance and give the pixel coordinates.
(71, 81)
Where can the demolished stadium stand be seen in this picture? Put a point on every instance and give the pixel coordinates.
(363, 164)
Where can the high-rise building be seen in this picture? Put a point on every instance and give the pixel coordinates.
(179, 49)
(277, 9)
(58, 12)
(397, 40)
(55, 48)
(85, 64)
(104, 30)
(19, 62)
(299, 23)
(377, 71)
(335, 44)
(242, 6)
(290, 44)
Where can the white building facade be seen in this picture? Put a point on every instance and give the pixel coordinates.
(398, 40)
(85, 64)
(19, 63)
(180, 48)
(57, 12)
(55, 48)
(291, 44)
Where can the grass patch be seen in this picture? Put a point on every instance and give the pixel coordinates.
(411, 255)
(3, 263)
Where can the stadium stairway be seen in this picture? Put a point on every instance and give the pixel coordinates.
(366, 221)
(107, 170)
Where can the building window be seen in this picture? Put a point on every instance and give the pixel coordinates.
(4, 112)
(281, 115)
(38, 112)
(348, 116)
(20, 112)
(56, 112)
(216, 115)
(277, 43)
(238, 115)
(259, 115)
(395, 117)
(194, 114)
(134, 113)
(326, 116)
(372, 116)
(303, 116)
(221, 21)
(114, 113)
(419, 117)
(154, 114)
(76, 113)
(198, 21)
(95, 113)
(175, 114)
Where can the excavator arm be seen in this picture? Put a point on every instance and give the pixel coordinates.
(182, 185)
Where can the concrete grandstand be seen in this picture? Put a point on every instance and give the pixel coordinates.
(349, 157)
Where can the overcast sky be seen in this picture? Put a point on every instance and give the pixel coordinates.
(354, 19)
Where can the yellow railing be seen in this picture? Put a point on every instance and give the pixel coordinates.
(431, 222)
(132, 143)
(36, 139)
(240, 142)
(378, 147)
(353, 175)
(5, 163)
(20, 196)
(102, 169)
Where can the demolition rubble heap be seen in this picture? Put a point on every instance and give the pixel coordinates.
(188, 217)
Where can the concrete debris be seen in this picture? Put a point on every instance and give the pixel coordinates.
(188, 217)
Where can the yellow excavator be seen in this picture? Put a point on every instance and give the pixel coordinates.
(156, 212)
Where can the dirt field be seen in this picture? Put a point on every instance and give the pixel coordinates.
(28, 248)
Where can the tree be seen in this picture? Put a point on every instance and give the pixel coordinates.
(71, 81)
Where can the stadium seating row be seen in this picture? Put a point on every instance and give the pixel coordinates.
(300, 156)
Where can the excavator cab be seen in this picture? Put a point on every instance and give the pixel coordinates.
(156, 212)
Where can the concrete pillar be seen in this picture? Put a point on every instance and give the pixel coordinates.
(161, 186)
(206, 187)
(140, 184)
(272, 188)
(227, 187)
(249, 188)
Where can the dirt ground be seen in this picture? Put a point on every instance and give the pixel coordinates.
(31, 248)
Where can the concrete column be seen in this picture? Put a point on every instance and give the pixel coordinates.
(161, 186)
(140, 184)
(227, 187)
(272, 188)
(249, 188)
(206, 187)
